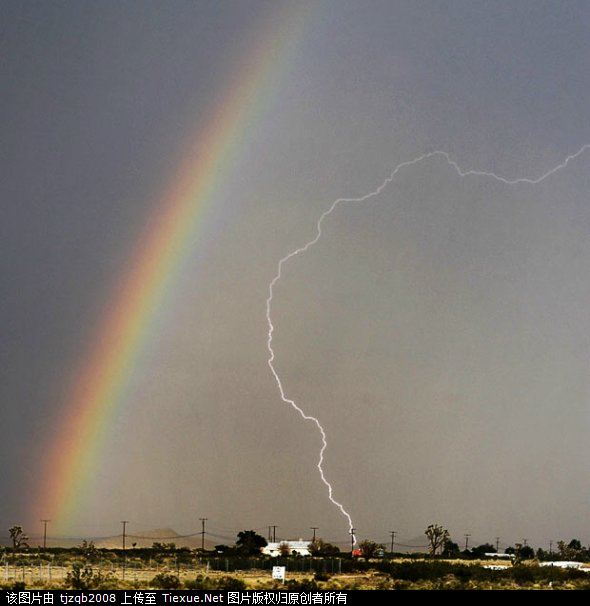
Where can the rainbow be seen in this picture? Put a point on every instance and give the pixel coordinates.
(98, 388)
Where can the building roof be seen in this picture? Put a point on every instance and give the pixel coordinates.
(300, 544)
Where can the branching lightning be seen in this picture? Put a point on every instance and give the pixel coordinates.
(462, 173)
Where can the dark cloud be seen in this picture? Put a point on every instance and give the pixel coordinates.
(439, 332)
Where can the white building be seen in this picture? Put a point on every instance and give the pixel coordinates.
(499, 556)
(299, 547)
(577, 565)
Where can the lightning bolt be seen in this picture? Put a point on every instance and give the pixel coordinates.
(302, 249)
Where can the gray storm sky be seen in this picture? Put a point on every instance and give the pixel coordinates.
(440, 332)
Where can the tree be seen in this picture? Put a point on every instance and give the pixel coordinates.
(369, 548)
(542, 554)
(437, 536)
(527, 552)
(320, 548)
(89, 550)
(250, 543)
(450, 549)
(284, 549)
(572, 551)
(18, 537)
(521, 552)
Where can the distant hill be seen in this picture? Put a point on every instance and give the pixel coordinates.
(141, 539)
(419, 542)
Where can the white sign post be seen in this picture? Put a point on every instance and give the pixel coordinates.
(278, 572)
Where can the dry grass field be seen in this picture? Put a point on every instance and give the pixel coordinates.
(404, 575)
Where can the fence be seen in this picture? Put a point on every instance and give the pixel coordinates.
(139, 571)
(302, 564)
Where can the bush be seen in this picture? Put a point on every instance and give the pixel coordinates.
(302, 585)
(84, 577)
(17, 586)
(463, 573)
(201, 582)
(522, 574)
(321, 576)
(436, 570)
(224, 583)
(166, 581)
(416, 571)
(231, 584)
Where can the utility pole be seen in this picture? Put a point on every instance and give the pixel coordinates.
(124, 522)
(45, 522)
(314, 528)
(550, 547)
(497, 544)
(524, 542)
(274, 534)
(467, 535)
(269, 534)
(352, 540)
(203, 520)
(392, 533)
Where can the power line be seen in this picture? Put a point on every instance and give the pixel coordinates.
(219, 536)
(170, 537)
